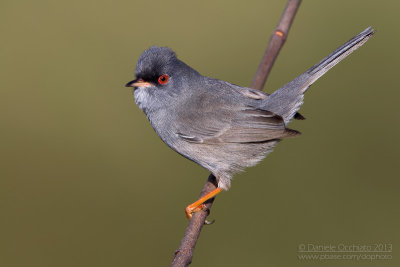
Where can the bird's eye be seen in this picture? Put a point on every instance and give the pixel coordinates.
(163, 79)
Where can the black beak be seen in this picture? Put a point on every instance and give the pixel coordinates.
(130, 84)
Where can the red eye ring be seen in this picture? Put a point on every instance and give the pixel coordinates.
(163, 79)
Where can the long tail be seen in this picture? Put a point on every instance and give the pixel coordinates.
(286, 101)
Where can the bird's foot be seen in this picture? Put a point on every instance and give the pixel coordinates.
(199, 205)
(192, 209)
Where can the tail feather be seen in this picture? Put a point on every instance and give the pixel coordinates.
(287, 100)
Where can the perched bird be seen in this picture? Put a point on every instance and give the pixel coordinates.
(221, 126)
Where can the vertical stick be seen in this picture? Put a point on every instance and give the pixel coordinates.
(275, 44)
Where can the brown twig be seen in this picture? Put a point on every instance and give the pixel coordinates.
(275, 44)
(183, 255)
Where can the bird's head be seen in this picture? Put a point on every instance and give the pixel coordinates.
(160, 77)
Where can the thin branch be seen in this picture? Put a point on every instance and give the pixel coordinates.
(275, 44)
(184, 254)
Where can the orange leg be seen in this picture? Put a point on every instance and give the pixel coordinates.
(198, 205)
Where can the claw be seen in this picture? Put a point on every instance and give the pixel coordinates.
(206, 222)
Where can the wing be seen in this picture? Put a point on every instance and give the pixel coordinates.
(224, 120)
(252, 125)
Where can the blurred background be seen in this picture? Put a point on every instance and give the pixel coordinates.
(85, 181)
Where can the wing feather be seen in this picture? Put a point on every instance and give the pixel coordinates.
(248, 125)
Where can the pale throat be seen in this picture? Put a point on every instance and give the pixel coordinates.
(142, 97)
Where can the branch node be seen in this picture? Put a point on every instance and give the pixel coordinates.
(280, 34)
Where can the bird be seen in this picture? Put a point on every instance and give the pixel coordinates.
(221, 126)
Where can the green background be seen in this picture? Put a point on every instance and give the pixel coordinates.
(85, 181)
